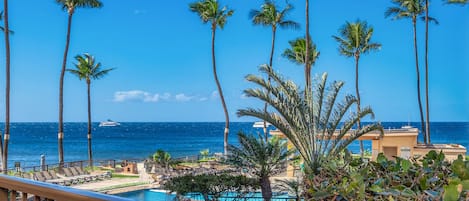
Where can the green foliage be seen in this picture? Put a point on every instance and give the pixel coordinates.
(428, 178)
(261, 157)
(315, 125)
(209, 12)
(297, 52)
(87, 69)
(211, 186)
(204, 153)
(269, 15)
(162, 158)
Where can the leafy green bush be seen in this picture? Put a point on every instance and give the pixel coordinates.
(428, 178)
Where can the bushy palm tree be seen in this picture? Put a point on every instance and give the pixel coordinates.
(315, 125)
(269, 15)
(262, 157)
(297, 54)
(163, 158)
(6, 136)
(411, 9)
(211, 12)
(291, 186)
(354, 40)
(69, 6)
(87, 69)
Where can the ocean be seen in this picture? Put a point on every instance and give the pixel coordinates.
(133, 140)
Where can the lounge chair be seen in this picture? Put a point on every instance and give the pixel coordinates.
(38, 177)
(68, 173)
(51, 179)
(68, 181)
(75, 173)
(83, 172)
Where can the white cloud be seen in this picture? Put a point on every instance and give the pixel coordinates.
(147, 97)
(139, 12)
(135, 95)
(183, 97)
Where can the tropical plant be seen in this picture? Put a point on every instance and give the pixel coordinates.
(297, 54)
(87, 69)
(315, 125)
(354, 40)
(261, 157)
(291, 186)
(69, 6)
(271, 16)
(211, 12)
(162, 158)
(6, 136)
(411, 9)
(204, 153)
(210, 186)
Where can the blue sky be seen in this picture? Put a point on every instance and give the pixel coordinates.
(162, 54)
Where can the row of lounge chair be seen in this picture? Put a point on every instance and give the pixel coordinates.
(71, 176)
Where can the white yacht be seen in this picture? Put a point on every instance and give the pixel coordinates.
(260, 124)
(109, 123)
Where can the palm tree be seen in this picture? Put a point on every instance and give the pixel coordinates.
(163, 158)
(355, 40)
(411, 9)
(307, 48)
(87, 69)
(6, 136)
(427, 107)
(317, 134)
(297, 54)
(292, 187)
(269, 15)
(262, 157)
(209, 11)
(69, 6)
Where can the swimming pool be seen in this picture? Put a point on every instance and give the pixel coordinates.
(148, 195)
(161, 195)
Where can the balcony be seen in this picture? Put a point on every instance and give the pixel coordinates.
(14, 188)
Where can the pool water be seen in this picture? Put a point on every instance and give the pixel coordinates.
(160, 195)
(148, 195)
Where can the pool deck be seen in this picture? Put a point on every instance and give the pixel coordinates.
(120, 185)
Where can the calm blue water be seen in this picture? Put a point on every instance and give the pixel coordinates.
(139, 140)
(157, 195)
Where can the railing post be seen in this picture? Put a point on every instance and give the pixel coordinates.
(24, 197)
(3, 194)
(13, 195)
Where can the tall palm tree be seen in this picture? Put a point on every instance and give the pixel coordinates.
(297, 54)
(411, 9)
(269, 15)
(262, 157)
(69, 6)
(307, 43)
(317, 134)
(6, 136)
(355, 40)
(87, 69)
(210, 11)
(427, 107)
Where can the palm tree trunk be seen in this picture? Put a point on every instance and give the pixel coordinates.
(414, 22)
(357, 58)
(427, 125)
(227, 118)
(266, 188)
(90, 152)
(61, 92)
(7, 90)
(269, 78)
(307, 39)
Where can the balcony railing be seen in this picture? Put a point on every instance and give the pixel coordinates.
(14, 188)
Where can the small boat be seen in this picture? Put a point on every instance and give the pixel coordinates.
(109, 123)
(260, 124)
